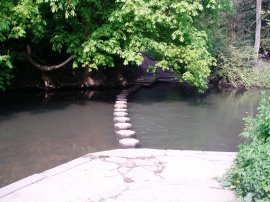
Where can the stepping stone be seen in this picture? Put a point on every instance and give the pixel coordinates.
(120, 110)
(129, 143)
(125, 134)
(120, 114)
(121, 99)
(124, 92)
(122, 106)
(121, 96)
(122, 126)
(121, 102)
(121, 120)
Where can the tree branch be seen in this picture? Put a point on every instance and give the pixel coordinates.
(44, 67)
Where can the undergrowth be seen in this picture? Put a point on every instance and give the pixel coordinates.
(250, 174)
(236, 64)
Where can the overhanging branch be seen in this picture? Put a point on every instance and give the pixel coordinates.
(44, 67)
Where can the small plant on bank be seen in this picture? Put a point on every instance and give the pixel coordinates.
(250, 174)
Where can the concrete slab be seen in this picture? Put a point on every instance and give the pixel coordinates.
(129, 175)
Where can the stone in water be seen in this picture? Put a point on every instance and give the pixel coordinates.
(120, 114)
(122, 126)
(124, 91)
(129, 143)
(121, 120)
(121, 102)
(121, 99)
(125, 134)
(123, 106)
(120, 110)
(121, 96)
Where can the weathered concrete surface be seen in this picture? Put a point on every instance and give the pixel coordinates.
(129, 175)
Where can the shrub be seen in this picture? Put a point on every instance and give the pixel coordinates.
(235, 64)
(234, 61)
(262, 77)
(250, 174)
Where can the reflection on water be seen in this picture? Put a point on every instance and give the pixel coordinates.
(167, 117)
(37, 134)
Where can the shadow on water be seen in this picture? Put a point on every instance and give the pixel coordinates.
(169, 117)
(39, 131)
(35, 101)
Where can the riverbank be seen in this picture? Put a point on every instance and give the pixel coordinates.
(129, 175)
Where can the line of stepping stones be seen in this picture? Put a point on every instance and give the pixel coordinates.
(122, 123)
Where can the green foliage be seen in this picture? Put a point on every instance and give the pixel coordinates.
(6, 71)
(259, 128)
(243, 22)
(262, 78)
(235, 64)
(5, 78)
(96, 33)
(18, 19)
(251, 170)
(234, 51)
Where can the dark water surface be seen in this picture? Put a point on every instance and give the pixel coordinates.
(37, 134)
(168, 117)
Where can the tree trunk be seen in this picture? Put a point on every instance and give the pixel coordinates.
(258, 27)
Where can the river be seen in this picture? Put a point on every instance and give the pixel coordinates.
(39, 131)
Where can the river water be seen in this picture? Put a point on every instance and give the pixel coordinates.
(167, 116)
(39, 131)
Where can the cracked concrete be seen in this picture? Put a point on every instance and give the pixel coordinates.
(129, 175)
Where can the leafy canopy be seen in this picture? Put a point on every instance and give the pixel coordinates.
(97, 32)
